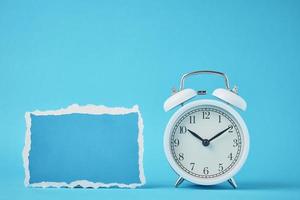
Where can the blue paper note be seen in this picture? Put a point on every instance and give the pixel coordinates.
(84, 146)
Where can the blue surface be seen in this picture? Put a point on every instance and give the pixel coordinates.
(72, 147)
(121, 53)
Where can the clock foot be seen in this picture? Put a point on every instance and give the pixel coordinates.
(179, 181)
(232, 183)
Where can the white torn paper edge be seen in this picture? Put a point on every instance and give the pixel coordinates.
(88, 109)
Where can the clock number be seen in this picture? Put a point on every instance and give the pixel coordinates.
(192, 119)
(192, 165)
(221, 167)
(230, 156)
(182, 129)
(231, 129)
(220, 119)
(235, 143)
(181, 156)
(176, 142)
(205, 115)
(205, 170)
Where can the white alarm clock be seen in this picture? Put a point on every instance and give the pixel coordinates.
(206, 141)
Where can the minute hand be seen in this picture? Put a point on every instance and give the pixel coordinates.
(214, 137)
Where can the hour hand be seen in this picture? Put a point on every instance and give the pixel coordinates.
(196, 135)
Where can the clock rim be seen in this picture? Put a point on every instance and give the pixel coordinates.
(207, 181)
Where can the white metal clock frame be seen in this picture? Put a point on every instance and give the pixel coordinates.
(208, 181)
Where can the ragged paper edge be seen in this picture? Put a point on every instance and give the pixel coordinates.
(88, 109)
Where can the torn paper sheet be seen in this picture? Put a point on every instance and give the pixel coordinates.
(84, 146)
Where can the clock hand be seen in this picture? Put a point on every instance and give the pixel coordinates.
(217, 135)
(196, 135)
(205, 142)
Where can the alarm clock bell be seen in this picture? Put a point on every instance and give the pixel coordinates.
(225, 94)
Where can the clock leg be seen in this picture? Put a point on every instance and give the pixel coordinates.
(179, 181)
(232, 183)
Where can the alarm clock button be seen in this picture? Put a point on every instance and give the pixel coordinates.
(179, 98)
(231, 98)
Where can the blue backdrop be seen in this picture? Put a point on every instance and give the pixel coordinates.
(121, 53)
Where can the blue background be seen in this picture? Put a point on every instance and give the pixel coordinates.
(121, 53)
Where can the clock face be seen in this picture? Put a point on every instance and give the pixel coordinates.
(206, 142)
